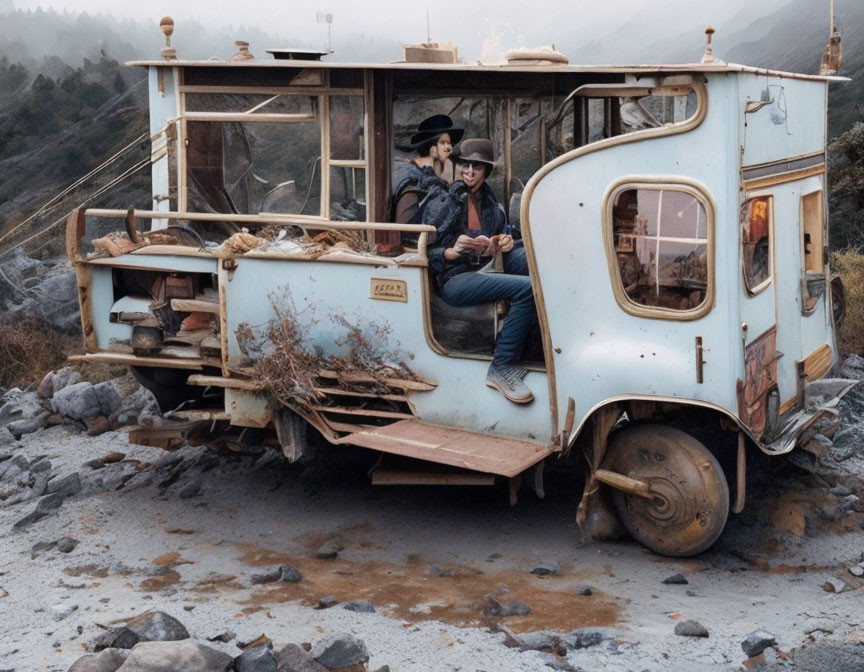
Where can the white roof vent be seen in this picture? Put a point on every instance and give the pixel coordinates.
(536, 56)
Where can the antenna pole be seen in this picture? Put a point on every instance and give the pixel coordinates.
(429, 33)
(832, 18)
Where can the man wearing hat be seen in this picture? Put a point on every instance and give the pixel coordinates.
(472, 227)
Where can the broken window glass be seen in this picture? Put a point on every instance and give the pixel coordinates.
(230, 103)
(526, 146)
(254, 167)
(346, 128)
(347, 194)
(756, 242)
(660, 239)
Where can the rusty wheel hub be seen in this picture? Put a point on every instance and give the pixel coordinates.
(690, 497)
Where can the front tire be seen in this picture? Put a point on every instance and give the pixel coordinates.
(691, 497)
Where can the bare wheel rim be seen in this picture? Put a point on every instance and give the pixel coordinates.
(690, 502)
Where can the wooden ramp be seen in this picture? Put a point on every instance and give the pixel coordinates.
(454, 447)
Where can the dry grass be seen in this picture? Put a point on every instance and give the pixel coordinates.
(29, 349)
(288, 365)
(850, 265)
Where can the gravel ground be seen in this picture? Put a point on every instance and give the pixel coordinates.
(185, 532)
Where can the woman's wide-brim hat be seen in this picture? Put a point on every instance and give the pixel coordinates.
(480, 150)
(434, 126)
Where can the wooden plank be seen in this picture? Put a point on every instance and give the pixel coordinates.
(352, 393)
(423, 478)
(134, 360)
(269, 91)
(261, 218)
(356, 377)
(195, 306)
(222, 282)
(75, 226)
(454, 447)
(270, 118)
(201, 414)
(84, 277)
(218, 381)
(366, 412)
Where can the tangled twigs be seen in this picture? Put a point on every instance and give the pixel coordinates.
(287, 362)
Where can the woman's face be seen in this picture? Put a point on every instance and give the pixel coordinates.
(443, 147)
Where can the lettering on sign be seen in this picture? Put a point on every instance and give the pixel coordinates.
(385, 289)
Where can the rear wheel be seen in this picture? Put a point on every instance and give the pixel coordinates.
(690, 496)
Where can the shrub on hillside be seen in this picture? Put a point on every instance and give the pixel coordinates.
(850, 265)
(29, 349)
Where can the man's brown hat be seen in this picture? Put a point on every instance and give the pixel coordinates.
(478, 149)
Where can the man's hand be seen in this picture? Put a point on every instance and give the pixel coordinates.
(466, 244)
(505, 242)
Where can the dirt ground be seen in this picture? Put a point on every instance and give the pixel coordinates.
(186, 538)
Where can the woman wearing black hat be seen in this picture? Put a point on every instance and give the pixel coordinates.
(431, 168)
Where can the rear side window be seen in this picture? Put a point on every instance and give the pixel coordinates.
(756, 255)
(660, 239)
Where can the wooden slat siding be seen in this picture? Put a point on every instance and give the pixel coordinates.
(338, 391)
(454, 447)
(356, 377)
(817, 363)
(367, 412)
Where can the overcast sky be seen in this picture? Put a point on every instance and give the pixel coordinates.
(469, 24)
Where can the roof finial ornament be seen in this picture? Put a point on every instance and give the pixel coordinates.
(166, 25)
(243, 53)
(708, 56)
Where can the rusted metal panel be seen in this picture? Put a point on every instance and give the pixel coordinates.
(454, 447)
(760, 371)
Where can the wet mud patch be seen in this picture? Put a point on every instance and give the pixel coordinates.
(456, 595)
(165, 574)
(214, 584)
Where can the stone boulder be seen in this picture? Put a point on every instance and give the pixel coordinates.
(176, 656)
(22, 412)
(108, 660)
(338, 650)
(256, 659)
(152, 626)
(77, 401)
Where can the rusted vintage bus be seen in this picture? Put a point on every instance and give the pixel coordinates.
(674, 218)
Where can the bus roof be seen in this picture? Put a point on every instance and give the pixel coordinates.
(716, 67)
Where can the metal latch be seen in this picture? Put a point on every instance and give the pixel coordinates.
(700, 360)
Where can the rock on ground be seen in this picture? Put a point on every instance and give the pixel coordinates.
(153, 626)
(182, 656)
(108, 660)
(338, 650)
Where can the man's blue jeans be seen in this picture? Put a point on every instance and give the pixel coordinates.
(473, 288)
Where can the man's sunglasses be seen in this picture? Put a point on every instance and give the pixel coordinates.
(476, 165)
